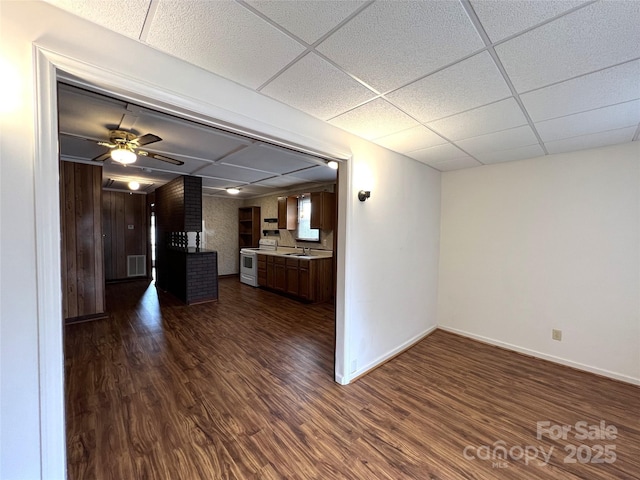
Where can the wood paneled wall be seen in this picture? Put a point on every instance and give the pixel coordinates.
(81, 230)
(121, 210)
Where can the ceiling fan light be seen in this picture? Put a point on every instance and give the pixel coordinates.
(332, 164)
(123, 155)
(233, 190)
(133, 185)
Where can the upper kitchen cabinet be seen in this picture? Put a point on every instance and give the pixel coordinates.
(288, 212)
(249, 227)
(323, 210)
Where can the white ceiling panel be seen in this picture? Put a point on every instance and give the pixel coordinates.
(392, 43)
(601, 139)
(308, 20)
(594, 121)
(88, 115)
(217, 183)
(606, 87)
(250, 190)
(315, 86)
(123, 16)
(189, 164)
(501, 19)
(594, 37)
(233, 173)
(80, 148)
(455, 164)
(374, 119)
(503, 140)
(317, 174)
(440, 153)
(187, 138)
(490, 118)
(463, 86)
(222, 37)
(414, 138)
(520, 153)
(280, 182)
(270, 159)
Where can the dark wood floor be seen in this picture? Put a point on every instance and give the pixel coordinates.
(244, 389)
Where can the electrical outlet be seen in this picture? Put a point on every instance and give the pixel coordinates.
(556, 335)
(354, 366)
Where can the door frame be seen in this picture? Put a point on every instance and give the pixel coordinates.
(51, 66)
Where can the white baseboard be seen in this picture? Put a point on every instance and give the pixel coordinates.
(544, 356)
(346, 379)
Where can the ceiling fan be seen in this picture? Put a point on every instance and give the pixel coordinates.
(125, 147)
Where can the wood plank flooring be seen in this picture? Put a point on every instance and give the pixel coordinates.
(243, 389)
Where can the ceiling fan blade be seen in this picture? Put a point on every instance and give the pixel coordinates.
(148, 138)
(165, 159)
(102, 158)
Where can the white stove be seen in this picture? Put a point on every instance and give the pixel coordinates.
(249, 263)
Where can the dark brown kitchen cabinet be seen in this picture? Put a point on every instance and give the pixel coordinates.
(292, 276)
(323, 210)
(309, 280)
(279, 274)
(288, 213)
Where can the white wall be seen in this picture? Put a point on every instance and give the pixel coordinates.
(387, 299)
(547, 243)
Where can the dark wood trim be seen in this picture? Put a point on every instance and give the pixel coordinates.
(86, 318)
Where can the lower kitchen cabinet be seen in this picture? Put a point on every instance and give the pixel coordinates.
(309, 280)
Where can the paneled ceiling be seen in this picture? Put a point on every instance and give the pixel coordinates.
(453, 84)
(222, 159)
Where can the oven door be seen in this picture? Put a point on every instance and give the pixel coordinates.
(249, 268)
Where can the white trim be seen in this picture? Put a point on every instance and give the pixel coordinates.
(48, 281)
(544, 356)
(392, 353)
(51, 66)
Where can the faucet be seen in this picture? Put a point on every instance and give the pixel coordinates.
(306, 250)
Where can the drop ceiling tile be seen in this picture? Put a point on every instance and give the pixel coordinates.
(440, 153)
(503, 140)
(317, 174)
(217, 183)
(501, 19)
(463, 86)
(233, 173)
(513, 154)
(591, 38)
(606, 87)
(411, 139)
(222, 37)
(594, 121)
(392, 43)
(374, 119)
(123, 16)
(182, 137)
(269, 159)
(601, 139)
(308, 20)
(318, 88)
(284, 181)
(490, 118)
(252, 190)
(455, 164)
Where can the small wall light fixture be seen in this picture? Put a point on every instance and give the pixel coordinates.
(363, 195)
(332, 164)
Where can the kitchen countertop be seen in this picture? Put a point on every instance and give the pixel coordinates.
(285, 251)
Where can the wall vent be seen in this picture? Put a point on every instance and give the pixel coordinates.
(136, 265)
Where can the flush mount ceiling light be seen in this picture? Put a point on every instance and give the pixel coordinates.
(133, 185)
(333, 165)
(122, 154)
(233, 190)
